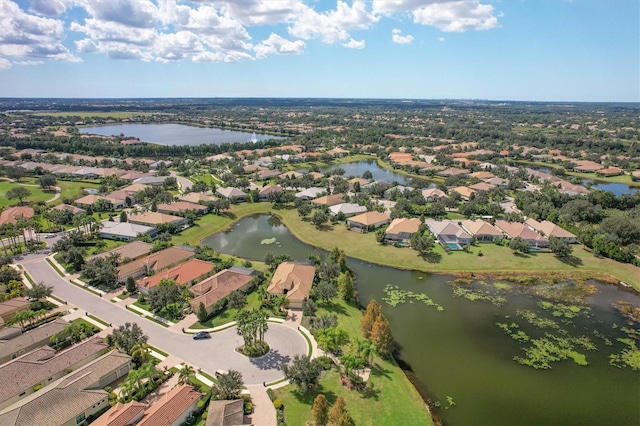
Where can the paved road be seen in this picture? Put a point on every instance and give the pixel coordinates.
(183, 182)
(210, 355)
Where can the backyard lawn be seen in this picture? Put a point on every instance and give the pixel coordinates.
(73, 188)
(228, 315)
(37, 194)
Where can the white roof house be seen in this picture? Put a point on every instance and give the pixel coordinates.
(124, 231)
(348, 209)
(311, 193)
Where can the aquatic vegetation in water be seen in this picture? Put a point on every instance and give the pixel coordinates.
(502, 286)
(628, 310)
(535, 320)
(268, 241)
(478, 295)
(548, 349)
(395, 296)
(562, 310)
(514, 331)
(629, 357)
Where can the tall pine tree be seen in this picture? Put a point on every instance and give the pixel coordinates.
(337, 410)
(381, 336)
(321, 410)
(370, 316)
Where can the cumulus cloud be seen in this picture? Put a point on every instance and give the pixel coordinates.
(5, 64)
(259, 12)
(398, 38)
(440, 38)
(334, 25)
(354, 44)
(48, 7)
(31, 36)
(458, 16)
(278, 45)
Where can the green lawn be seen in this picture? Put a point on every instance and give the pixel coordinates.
(37, 194)
(73, 188)
(395, 400)
(625, 179)
(228, 315)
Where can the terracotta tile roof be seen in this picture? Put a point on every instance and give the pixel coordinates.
(371, 218)
(42, 364)
(293, 278)
(482, 175)
(517, 229)
(154, 218)
(463, 191)
(226, 413)
(156, 261)
(182, 274)
(433, 193)
(14, 214)
(329, 200)
(198, 197)
(171, 406)
(217, 287)
(403, 225)
(68, 207)
(9, 307)
(482, 186)
(32, 337)
(549, 229)
(181, 206)
(133, 250)
(121, 414)
(480, 227)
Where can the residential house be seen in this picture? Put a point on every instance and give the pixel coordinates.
(263, 194)
(401, 229)
(482, 186)
(134, 188)
(218, 286)
(122, 414)
(550, 229)
(182, 274)
(610, 171)
(290, 175)
(172, 409)
(15, 345)
(453, 171)
(44, 366)
(360, 181)
(132, 251)
(517, 229)
(70, 400)
(10, 307)
(432, 194)
(399, 189)
(347, 209)
(155, 165)
(14, 214)
(482, 231)
(151, 180)
(328, 200)
(499, 182)
(94, 201)
(87, 173)
(316, 175)
(310, 193)
(368, 221)
(265, 174)
(198, 197)
(179, 208)
(448, 233)
(294, 280)
(69, 208)
(482, 175)
(464, 192)
(124, 231)
(226, 413)
(154, 262)
(156, 218)
(232, 194)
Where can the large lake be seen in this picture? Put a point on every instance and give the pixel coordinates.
(461, 353)
(175, 134)
(357, 168)
(617, 188)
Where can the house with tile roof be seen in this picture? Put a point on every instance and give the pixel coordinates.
(154, 262)
(68, 207)
(328, 200)
(14, 214)
(463, 191)
(172, 409)
(432, 194)
(125, 231)
(220, 285)
(198, 197)
(401, 229)
(310, 193)
(15, 345)
(264, 192)
(93, 200)
(122, 414)
(44, 365)
(550, 229)
(226, 413)
(10, 307)
(179, 208)
(517, 229)
(482, 186)
(448, 232)
(182, 274)
(71, 399)
(368, 221)
(156, 218)
(347, 209)
(483, 231)
(132, 251)
(294, 280)
(231, 193)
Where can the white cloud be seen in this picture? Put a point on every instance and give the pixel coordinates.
(31, 36)
(28, 63)
(279, 45)
(440, 38)
(48, 7)
(130, 13)
(334, 25)
(5, 64)
(354, 44)
(259, 12)
(398, 38)
(458, 16)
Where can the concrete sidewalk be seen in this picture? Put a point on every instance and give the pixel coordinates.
(264, 413)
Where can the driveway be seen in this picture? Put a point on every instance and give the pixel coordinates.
(209, 355)
(183, 182)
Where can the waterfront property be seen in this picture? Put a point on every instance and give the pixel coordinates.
(218, 286)
(517, 229)
(154, 262)
(232, 194)
(368, 221)
(347, 209)
(157, 218)
(264, 193)
(550, 229)
(294, 280)
(449, 233)
(483, 231)
(179, 208)
(401, 229)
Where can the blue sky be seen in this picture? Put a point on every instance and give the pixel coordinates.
(539, 50)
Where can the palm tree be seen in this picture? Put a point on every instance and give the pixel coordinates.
(140, 353)
(366, 350)
(185, 375)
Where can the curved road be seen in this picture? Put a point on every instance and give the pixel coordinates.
(209, 355)
(183, 182)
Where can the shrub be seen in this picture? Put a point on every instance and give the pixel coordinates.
(37, 387)
(480, 254)
(278, 404)
(271, 394)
